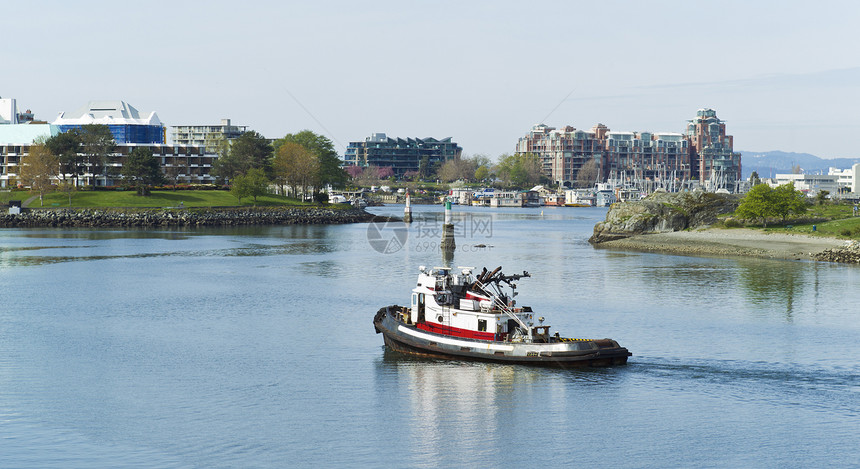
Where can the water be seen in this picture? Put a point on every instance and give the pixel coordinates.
(254, 347)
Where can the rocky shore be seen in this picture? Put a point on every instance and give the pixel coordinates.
(735, 242)
(848, 253)
(680, 224)
(663, 213)
(189, 217)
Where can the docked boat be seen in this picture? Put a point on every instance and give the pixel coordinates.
(454, 314)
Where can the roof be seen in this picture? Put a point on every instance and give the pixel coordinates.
(108, 113)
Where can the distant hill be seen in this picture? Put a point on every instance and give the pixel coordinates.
(769, 163)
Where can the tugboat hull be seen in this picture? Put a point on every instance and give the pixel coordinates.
(407, 338)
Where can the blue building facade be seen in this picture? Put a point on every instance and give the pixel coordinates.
(129, 133)
(126, 123)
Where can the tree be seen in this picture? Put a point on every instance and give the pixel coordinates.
(295, 166)
(228, 166)
(68, 188)
(787, 201)
(482, 167)
(762, 202)
(385, 172)
(250, 150)
(239, 187)
(354, 171)
(756, 204)
(257, 182)
(370, 175)
(482, 173)
(216, 143)
(458, 168)
(821, 197)
(254, 183)
(141, 170)
(754, 179)
(38, 169)
(67, 146)
(449, 171)
(424, 167)
(587, 174)
(253, 151)
(329, 171)
(97, 144)
(520, 170)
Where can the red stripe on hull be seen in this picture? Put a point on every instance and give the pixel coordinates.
(455, 331)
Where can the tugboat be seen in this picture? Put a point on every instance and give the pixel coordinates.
(456, 315)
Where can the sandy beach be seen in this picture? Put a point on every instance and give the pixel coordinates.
(729, 242)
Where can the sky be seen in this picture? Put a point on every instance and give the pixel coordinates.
(782, 75)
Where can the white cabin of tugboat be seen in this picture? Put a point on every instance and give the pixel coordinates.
(445, 302)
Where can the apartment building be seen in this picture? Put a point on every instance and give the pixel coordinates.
(402, 155)
(656, 157)
(712, 150)
(203, 134)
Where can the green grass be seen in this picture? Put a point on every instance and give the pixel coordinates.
(208, 198)
(840, 222)
(830, 211)
(6, 195)
(842, 228)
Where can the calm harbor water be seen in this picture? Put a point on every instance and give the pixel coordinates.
(253, 347)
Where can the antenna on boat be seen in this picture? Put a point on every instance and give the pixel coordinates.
(448, 245)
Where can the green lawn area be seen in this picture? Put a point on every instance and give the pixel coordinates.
(848, 228)
(208, 198)
(7, 195)
(841, 223)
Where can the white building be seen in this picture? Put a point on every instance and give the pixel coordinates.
(129, 127)
(835, 181)
(8, 111)
(847, 177)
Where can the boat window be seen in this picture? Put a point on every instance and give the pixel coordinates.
(482, 325)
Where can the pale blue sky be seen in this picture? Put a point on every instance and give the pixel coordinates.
(783, 75)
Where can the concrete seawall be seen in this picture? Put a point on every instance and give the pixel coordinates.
(183, 217)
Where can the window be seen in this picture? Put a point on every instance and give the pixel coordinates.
(482, 325)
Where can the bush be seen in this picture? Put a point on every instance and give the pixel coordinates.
(732, 223)
(850, 232)
(190, 187)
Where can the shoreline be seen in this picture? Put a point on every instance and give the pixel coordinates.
(188, 217)
(735, 242)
